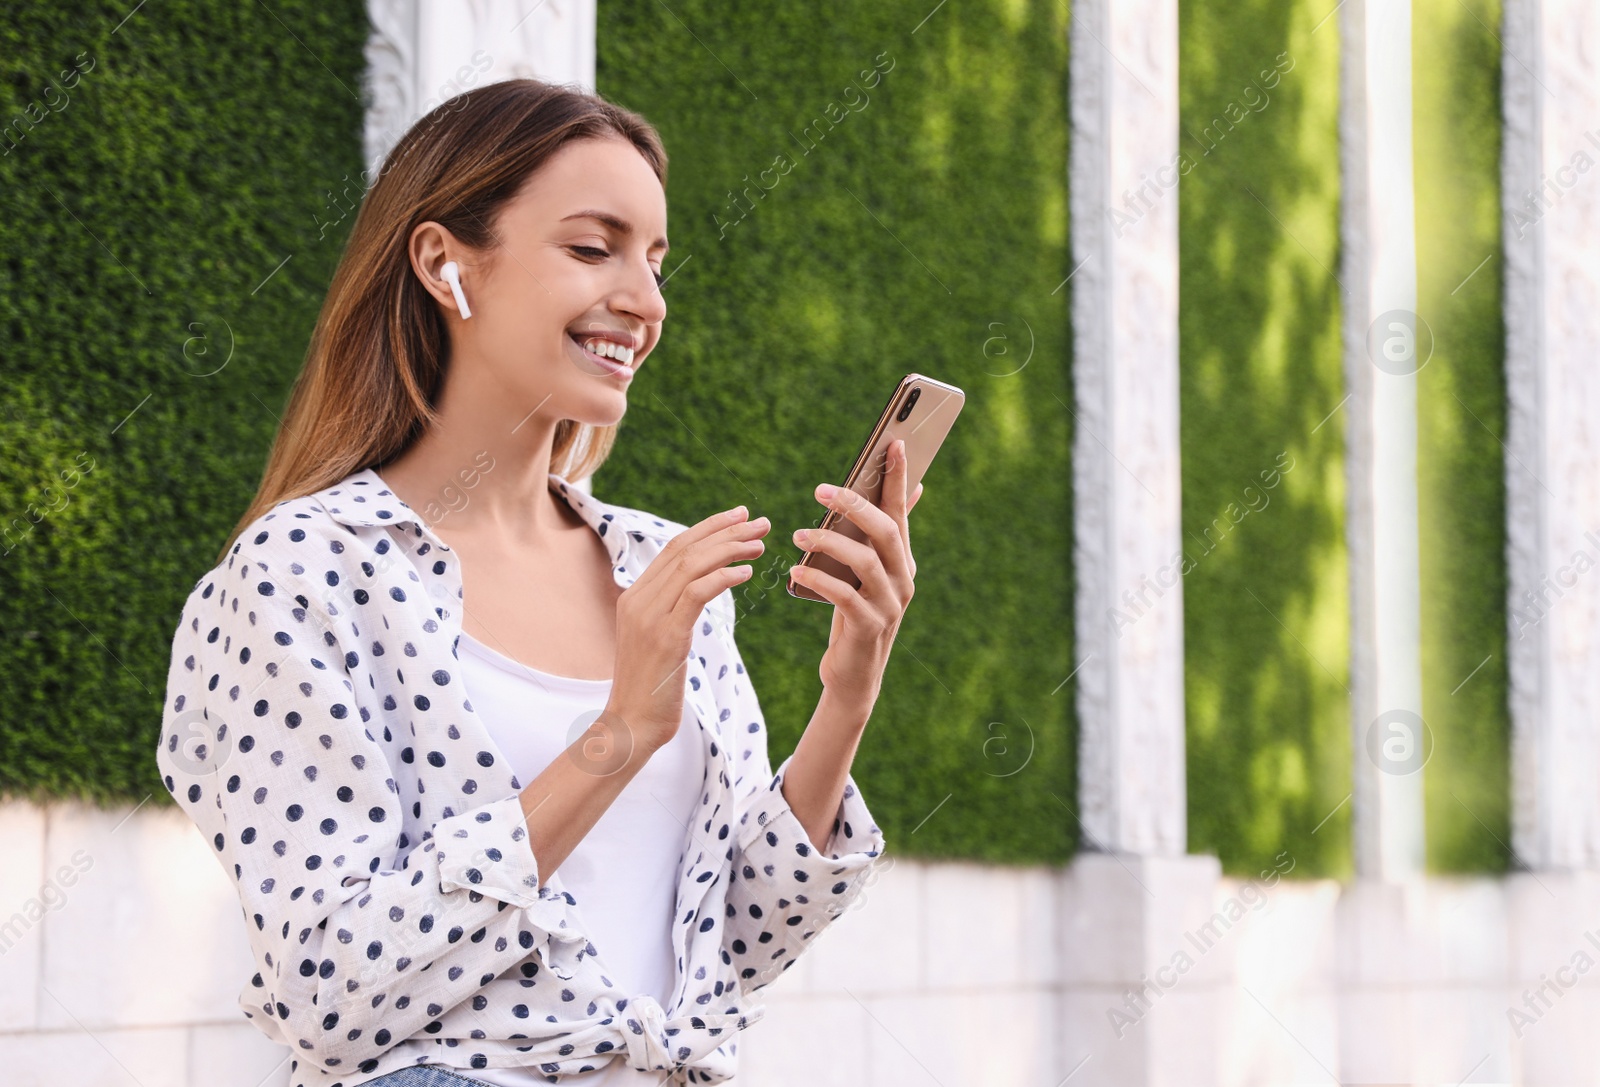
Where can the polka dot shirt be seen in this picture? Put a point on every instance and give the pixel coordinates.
(317, 731)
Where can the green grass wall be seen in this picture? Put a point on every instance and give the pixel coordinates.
(855, 193)
(1266, 628)
(1266, 611)
(146, 199)
(165, 260)
(1461, 414)
(925, 231)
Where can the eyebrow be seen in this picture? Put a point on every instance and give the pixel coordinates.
(621, 226)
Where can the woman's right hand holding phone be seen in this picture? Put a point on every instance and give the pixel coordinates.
(656, 617)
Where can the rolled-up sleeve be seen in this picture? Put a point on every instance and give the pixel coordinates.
(361, 936)
(784, 890)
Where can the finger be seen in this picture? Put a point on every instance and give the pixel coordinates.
(675, 567)
(707, 557)
(703, 590)
(894, 498)
(898, 508)
(835, 591)
(894, 482)
(860, 558)
(881, 529)
(652, 580)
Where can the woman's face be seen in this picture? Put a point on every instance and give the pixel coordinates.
(566, 308)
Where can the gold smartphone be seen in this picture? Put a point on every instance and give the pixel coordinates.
(921, 411)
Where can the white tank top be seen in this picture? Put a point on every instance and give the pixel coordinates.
(624, 872)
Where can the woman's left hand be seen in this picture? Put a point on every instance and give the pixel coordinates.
(865, 620)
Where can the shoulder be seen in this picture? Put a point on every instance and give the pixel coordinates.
(307, 546)
(641, 524)
(650, 532)
(646, 532)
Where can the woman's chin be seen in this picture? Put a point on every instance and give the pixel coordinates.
(601, 405)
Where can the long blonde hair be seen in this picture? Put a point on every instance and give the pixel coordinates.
(380, 350)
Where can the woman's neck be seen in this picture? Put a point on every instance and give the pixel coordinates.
(483, 470)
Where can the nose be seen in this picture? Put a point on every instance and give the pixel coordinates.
(640, 297)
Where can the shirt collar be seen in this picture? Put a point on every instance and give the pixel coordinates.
(363, 499)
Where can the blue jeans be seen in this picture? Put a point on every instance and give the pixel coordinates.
(423, 1076)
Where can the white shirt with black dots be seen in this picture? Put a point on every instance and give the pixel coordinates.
(317, 731)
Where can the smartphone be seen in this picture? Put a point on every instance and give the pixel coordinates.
(921, 411)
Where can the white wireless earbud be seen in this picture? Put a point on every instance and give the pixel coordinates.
(452, 275)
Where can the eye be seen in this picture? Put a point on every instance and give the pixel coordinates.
(591, 252)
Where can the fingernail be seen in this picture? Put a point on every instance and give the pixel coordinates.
(736, 513)
(801, 535)
(825, 491)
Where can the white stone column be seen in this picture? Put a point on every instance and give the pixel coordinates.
(422, 53)
(1384, 346)
(1550, 73)
(1125, 454)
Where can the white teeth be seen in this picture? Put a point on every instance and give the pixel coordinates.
(610, 350)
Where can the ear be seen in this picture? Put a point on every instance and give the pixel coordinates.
(430, 249)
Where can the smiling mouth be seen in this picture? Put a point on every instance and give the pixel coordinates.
(602, 365)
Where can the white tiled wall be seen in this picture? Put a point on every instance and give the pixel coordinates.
(949, 973)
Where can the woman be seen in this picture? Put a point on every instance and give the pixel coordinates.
(476, 747)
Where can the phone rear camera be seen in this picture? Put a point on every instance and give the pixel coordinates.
(910, 401)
